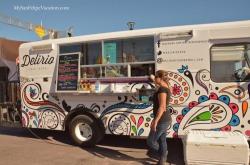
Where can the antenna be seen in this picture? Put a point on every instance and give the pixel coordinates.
(131, 25)
(70, 31)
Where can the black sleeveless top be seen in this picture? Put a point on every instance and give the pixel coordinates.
(166, 117)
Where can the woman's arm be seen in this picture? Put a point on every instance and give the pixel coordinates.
(162, 108)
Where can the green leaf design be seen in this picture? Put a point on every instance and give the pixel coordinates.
(134, 129)
(204, 116)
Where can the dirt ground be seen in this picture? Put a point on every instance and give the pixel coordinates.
(42, 147)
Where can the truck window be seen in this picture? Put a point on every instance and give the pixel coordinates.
(129, 50)
(129, 57)
(91, 52)
(227, 60)
(71, 48)
(142, 69)
(137, 52)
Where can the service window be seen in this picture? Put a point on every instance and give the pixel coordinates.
(90, 72)
(92, 53)
(142, 69)
(129, 50)
(129, 57)
(138, 49)
(115, 71)
(138, 53)
(230, 62)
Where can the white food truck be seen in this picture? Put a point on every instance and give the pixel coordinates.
(98, 84)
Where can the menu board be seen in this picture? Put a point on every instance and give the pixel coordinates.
(67, 76)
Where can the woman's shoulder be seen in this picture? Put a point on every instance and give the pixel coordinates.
(163, 90)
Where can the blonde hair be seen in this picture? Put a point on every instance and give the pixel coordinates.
(163, 75)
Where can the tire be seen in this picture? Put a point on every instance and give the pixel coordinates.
(84, 131)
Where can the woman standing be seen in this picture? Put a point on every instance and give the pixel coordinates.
(162, 119)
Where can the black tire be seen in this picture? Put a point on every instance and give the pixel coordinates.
(77, 135)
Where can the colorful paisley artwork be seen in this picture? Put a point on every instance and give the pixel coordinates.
(25, 119)
(37, 111)
(202, 78)
(32, 102)
(235, 91)
(186, 72)
(140, 108)
(180, 89)
(136, 127)
(119, 124)
(211, 112)
(244, 108)
(50, 119)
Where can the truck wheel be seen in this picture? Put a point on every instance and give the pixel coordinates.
(84, 131)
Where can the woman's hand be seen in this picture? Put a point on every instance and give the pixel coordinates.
(152, 77)
(153, 125)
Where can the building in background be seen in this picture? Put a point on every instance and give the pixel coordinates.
(8, 69)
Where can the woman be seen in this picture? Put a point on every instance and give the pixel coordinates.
(162, 119)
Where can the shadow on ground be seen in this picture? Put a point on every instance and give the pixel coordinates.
(175, 149)
(108, 147)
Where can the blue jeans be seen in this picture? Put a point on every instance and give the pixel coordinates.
(157, 140)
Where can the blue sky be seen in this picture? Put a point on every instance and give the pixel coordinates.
(97, 16)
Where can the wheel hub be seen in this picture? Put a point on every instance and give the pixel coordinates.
(83, 131)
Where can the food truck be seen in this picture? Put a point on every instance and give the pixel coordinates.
(99, 84)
